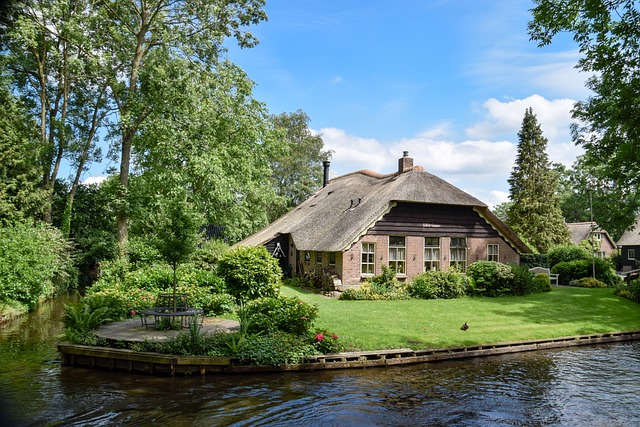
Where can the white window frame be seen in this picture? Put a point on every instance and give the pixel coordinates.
(458, 253)
(491, 255)
(368, 258)
(631, 254)
(398, 254)
(431, 253)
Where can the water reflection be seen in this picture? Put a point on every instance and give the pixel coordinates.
(582, 386)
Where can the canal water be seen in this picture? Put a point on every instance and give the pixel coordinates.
(583, 386)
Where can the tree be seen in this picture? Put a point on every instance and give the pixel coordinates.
(299, 173)
(608, 122)
(137, 37)
(214, 141)
(535, 214)
(20, 194)
(48, 52)
(581, 191)
(175, 232)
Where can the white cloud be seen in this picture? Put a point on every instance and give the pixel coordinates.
(336, 80)
(480, 164)
(554, 116)
(94, 180)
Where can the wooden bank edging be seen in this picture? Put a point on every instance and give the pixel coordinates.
(160, 364)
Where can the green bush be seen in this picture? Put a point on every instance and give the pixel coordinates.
(384, 286)
(631, 291)
(35, 263)
(207, 255)
(286, 314)
(490, 278)
(566, 253)
(326, 342)
(577, 269)
(522, 282)
(541, 283)
(437, 285)
(588, 282)
(534, 260)
(250, 273)
(571, 270)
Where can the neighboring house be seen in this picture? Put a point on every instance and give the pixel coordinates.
(629, 245)
(581, 231)
(410, 220)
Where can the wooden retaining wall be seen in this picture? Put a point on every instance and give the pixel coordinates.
(160, 364)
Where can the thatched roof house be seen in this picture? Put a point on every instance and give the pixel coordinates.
(584, 231)
(411, 220)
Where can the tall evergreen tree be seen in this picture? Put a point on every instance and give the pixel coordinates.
(535, 214)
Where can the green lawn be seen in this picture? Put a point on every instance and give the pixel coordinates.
(420, 324)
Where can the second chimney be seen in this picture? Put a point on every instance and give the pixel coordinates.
(405, 162)
(325, 166)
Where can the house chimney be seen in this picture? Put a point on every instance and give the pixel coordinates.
(405, 162)
(325, 165)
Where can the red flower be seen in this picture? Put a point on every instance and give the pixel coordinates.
(319, 337)
(334, 336)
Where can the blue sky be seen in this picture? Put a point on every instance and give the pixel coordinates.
(449, 81)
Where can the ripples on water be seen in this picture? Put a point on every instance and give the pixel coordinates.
(585, 386)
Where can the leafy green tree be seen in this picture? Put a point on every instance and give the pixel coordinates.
(608, 122)
(583, 188)
(502, 211)
(299, 173)
(535, 214)
(20, 193)
(213, 140)
(137, 38)
(48, 53)
(175, 231)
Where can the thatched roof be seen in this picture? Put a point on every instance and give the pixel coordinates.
(631, 237)
(337, 215)
(581, 231)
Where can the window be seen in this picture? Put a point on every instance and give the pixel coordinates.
(368, 264)
(493, 253)
(431, 253)
(318, 257)
(597, 237)
(332, 258)
(631, 255)
(458, 247)
(307, 257)
(397, 254)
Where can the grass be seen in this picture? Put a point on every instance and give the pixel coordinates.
(420, 324)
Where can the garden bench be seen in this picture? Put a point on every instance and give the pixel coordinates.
(165, 309)
(553, 278)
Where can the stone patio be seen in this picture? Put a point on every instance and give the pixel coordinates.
(134, 330)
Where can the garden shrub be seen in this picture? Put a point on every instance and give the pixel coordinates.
(631, 291)
(566, 253)
(522, 282)
(207, 255)
(35, 263)
(490, 278)
(588, 282)
(541, 283)
(326, 342)
(577, 269)
(437, 285)
(287, 314)
(571, 270)
(534, 260)
(250, 273)
(384, 286)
